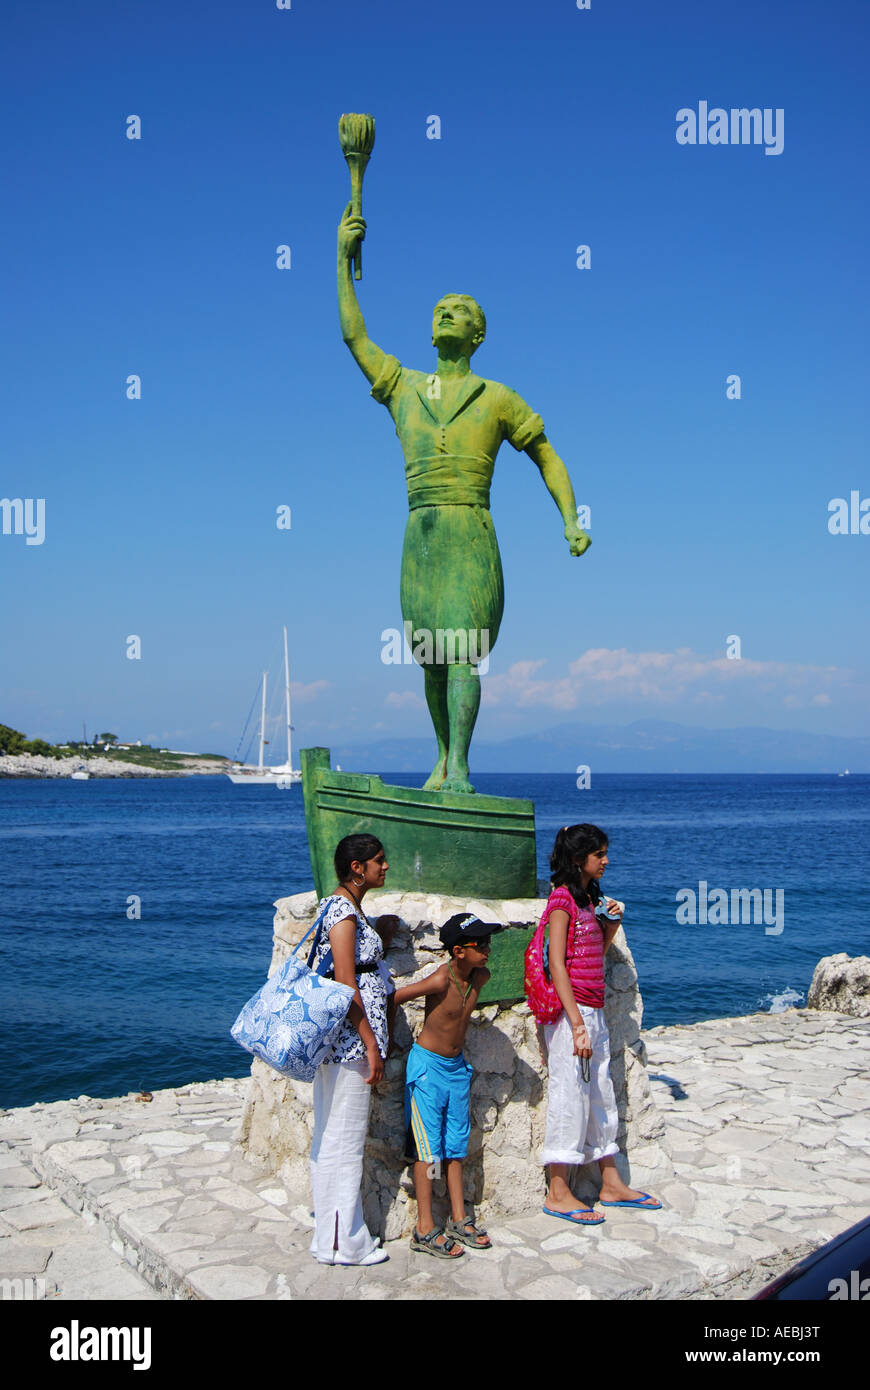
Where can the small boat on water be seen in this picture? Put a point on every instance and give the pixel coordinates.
(284, 775)
(80, 775)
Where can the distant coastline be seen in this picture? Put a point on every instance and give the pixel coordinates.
(645, 746)
(29, 765)
(106, 756)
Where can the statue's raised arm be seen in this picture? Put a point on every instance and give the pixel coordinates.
(351, 231)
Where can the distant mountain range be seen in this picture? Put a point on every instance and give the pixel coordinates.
(645, 746)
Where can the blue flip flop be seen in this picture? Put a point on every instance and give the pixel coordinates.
(642, 1203)
(569, 1216)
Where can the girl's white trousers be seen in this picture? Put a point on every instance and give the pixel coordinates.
(581, 1115)
(341, 1119)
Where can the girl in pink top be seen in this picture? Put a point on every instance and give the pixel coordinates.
(581, 1107)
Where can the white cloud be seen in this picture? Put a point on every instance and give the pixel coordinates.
(604, 676)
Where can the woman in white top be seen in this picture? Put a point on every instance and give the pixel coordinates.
(355, 1063)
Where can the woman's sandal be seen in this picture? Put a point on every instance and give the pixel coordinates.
(428, 1244)
(469, 1234)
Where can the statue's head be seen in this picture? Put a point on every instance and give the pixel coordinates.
(457, 318)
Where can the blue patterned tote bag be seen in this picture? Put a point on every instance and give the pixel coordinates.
(291, 1022)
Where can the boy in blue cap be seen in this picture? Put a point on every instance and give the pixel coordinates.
(437, 1083)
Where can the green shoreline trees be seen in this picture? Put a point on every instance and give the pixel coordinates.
(12, 742)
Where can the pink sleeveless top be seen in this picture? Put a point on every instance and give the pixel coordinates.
(584, 958)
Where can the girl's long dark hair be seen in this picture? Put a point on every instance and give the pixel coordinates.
(575, 842)
(354, 847)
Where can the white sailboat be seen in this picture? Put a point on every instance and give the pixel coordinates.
(283, 775)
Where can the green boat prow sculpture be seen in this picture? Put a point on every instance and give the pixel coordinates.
(436, 842)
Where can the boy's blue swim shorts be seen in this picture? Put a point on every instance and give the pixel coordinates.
(436, 1105)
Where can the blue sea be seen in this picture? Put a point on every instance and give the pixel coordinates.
(95, 1002)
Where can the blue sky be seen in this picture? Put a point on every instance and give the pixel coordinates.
(158, 257)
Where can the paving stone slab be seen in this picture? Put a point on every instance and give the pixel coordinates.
(16, 1257)
(49, 1211)
(17, 1175)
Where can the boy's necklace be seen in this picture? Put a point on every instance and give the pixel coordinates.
(456, 982)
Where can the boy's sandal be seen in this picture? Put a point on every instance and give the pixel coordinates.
(428, 1244)
(475, 1237)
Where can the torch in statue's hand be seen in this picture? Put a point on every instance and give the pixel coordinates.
(357, 137)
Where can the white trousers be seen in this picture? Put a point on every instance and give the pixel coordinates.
(341, 1121)
(581, 1115)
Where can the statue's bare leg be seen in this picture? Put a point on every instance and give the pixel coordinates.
(463, 702)
(436, 698)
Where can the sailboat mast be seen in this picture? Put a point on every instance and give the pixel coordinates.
(287, 695)
(263, 723)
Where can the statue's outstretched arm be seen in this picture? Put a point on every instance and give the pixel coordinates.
(351, 231)
(555, 475)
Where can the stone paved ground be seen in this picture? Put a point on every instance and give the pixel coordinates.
(767, 1127)
(46, 1249)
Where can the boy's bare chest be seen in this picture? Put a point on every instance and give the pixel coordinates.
(449, 1008)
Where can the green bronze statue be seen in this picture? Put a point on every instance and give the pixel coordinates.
(450, 424)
